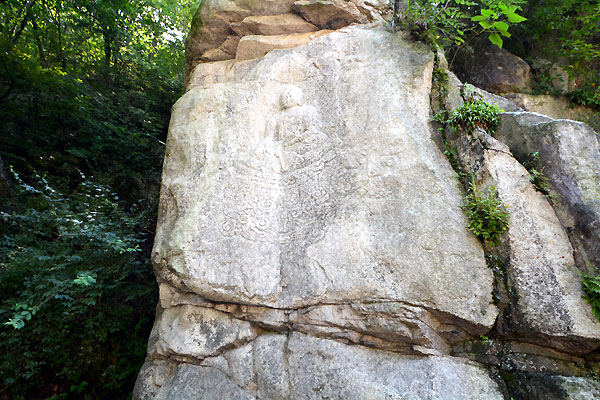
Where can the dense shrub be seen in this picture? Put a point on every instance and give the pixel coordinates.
(85, 88)
(77, 299)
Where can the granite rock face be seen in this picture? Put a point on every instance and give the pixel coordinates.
(569, 154)
(218, 25)
(311, 241)
(297, 366)
(283, 197)
(544, 285)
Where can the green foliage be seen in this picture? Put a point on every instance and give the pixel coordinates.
(22, 313)
(72, 282)
(439, 90)
(89, 86)
(452, 22)
(566, 32)
(440, 79)
(86, 90)
(437, 23)
(591, 287)
(496, 19)
(586, 96)
(474, 113)
(487, 219)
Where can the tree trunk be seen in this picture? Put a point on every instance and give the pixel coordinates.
(18, 32)
(108, 42)
(58, 21)
(38, 43)
(3, 178)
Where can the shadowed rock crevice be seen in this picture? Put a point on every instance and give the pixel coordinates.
(393, 326)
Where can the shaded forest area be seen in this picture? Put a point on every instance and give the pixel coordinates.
(86, 89)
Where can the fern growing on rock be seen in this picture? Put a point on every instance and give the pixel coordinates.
(591, 287)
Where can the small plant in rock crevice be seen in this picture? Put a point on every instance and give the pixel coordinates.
(537, 177)
(473, 114)
(487, 219)
(591, 287)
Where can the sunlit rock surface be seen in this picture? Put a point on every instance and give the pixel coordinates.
(311, 242)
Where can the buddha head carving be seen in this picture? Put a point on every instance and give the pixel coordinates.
(291, 96)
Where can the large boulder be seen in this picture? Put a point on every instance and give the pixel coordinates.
(285, 208)
(546, 304)
(311, 241)
(268, 199)
(491, 68)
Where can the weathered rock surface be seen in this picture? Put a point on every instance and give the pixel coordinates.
(255, 46)
(546, 296)
(311, 242)
(524, 358)
(570, 157)
(273, 25)
(212, 23)
(491, 68)
(218, 25)
(329, 14)
(226, 51)
(303, 367)
(552, 106)
(268, 200)
(540, 386)
(199, 332)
